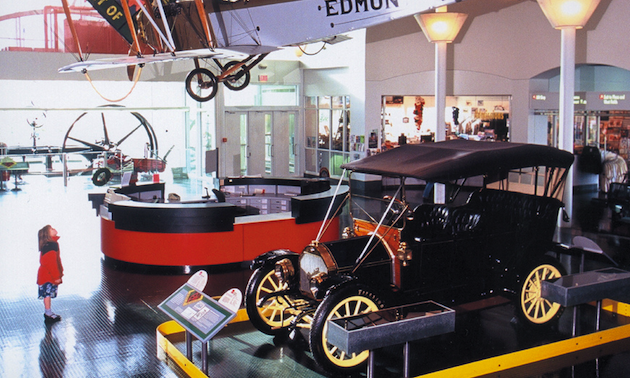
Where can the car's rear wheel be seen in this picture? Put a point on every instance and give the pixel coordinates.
(276, 312)
(532, 306)
(352, 299)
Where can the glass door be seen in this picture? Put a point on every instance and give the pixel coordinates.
(235, 149)
(284, 147)
(259, 138)
(262, 143)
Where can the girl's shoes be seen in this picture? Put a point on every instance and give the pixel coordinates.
(52, 317)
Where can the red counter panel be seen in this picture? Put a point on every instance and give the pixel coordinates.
(247, 241)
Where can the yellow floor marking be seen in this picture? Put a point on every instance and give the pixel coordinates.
(172, 330)
(545, 352)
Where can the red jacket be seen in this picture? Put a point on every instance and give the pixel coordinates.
(50, 268)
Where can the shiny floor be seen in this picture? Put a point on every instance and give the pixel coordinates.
(110, 316)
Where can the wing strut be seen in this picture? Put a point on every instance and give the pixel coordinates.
(132, 28)
(166, 27)
(206, 26)
(75, 36)
(155, 27)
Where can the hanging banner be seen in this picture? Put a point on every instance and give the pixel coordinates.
(112, 11)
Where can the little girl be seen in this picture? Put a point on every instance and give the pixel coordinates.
(50, 269)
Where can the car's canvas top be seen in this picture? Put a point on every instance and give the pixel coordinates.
(456, 159)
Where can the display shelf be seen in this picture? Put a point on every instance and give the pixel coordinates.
(391, 326)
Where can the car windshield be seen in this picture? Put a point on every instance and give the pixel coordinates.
(371, 206)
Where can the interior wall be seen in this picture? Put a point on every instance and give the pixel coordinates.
(496, 53)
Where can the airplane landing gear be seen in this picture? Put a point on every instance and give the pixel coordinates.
(238, 80)
(201, 84)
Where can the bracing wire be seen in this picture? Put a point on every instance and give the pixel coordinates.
(135, 81)
(315, 53)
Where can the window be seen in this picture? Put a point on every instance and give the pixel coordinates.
(263, 95)
(328, 133)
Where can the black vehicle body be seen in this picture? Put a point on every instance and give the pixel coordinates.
(619, 202)
(494, 241)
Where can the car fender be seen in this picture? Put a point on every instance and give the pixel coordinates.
(271, 257)
(340, 281)
(587, 249)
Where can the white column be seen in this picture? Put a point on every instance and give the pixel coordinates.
(440, 90)
(567, 91)
(439, 195)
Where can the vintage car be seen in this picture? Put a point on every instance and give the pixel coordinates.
(493, 237)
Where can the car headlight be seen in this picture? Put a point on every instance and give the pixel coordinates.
(316, 264)
(284, 270)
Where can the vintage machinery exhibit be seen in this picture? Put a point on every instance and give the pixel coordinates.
(100, 137)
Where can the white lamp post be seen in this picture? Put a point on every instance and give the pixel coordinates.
(567, 16)
(440, 28)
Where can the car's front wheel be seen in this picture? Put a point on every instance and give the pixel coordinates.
(351, 299)
(274, 313)
(532, 306)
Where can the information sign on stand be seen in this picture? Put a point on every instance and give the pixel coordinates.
(198, 313)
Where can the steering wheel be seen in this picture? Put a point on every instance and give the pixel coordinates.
(395, 210)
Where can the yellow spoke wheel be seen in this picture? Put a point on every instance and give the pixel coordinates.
(275, 312)
(534, 307)
(352, 300)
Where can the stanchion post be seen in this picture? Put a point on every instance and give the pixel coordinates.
(204, 357)
(189, 346)
(64, 160)
(370, 365)
(406, 352)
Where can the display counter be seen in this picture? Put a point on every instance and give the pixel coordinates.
(194, 234)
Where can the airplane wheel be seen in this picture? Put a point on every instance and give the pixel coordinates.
(236, 84)
(101, 176)
(201, 84)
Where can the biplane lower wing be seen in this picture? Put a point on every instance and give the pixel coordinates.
(234, 52)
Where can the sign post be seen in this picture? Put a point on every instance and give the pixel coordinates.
(200, 315)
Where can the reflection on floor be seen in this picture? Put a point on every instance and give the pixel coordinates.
(110, 316)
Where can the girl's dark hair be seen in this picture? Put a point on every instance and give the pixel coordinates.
(43, 236)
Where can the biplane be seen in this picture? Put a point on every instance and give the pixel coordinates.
(241, 32)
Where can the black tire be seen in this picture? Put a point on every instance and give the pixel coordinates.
(358, 299)
(274, 316)
(531, 307)
(101, 176)
(201, 84)
(232, 83)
